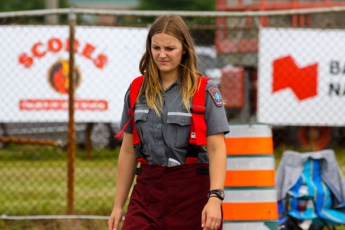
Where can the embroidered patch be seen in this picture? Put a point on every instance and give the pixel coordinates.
(217, 98)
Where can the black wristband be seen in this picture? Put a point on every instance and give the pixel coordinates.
(217, 192)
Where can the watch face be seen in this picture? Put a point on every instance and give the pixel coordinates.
(221, 193)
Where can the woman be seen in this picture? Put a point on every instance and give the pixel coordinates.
(170, 193)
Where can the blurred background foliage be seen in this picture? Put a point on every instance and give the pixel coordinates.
(18, 5)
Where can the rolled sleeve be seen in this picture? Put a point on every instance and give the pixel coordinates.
(215, 116)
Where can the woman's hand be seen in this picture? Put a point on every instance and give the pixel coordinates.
(212, 214)
(126, 166)
(114, 219)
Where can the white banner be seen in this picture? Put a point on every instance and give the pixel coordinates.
(301, 77)
(34, 72)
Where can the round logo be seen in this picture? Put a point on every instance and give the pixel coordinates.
(58, 76)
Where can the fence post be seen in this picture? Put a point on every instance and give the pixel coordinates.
(88, 142)
(250, 195)
(71, 123)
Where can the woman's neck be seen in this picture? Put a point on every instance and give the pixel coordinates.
(168, 79)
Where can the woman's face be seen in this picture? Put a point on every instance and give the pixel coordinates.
(167, 53)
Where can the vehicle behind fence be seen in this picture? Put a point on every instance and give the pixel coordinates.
(268, 68)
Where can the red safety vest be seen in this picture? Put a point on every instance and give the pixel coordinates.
(198, 126)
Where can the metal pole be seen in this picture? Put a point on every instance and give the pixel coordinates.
(71, 125)
(52, 19)
(88, 142)
(150, 13)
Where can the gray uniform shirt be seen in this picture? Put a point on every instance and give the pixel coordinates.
(166, 136)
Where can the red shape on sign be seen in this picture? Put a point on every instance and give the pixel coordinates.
(302, 81)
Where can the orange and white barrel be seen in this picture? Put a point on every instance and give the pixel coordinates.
(250, 194)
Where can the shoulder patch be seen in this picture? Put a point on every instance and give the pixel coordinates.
(215, 94)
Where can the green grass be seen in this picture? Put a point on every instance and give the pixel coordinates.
(34, 181)
(41, 187)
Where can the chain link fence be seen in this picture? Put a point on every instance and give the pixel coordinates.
(283, 68)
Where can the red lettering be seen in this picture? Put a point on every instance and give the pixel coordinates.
(88, 49)
(53, 104)
(36, 52)
(100, 61)
(76, 45)
(26, 60)
(54, 45)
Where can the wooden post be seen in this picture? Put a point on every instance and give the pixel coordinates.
(88, 145)
(71, 123)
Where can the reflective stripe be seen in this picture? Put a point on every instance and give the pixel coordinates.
(251, 178)
(250, 171)
(250, 195)
(250, 211)
(249, 130)
(141, 111)
(248, 145)
(180, 114)
(250, 226)
(250, 163)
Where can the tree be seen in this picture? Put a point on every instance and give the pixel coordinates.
(18, 5)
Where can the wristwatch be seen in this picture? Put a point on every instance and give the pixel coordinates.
(217, 192)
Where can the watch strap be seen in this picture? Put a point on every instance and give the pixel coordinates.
(217, 192)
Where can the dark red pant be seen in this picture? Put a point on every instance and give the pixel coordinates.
(168, 198)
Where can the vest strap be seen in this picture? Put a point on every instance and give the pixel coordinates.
(198, 127)
(133, 94)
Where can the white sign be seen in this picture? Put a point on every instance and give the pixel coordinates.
(301, 77)
(34, 72)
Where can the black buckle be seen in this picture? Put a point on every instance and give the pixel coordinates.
(138, 151)
(198, 109)
(138, 171)
(202, 171)
(194, 150)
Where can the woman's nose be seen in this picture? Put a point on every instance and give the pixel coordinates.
(162, 53)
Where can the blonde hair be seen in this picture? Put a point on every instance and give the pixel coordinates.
(188, 70)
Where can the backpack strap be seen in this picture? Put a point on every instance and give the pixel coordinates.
(133, 94)
(198, 127)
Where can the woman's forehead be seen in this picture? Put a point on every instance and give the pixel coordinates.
(164, 39)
